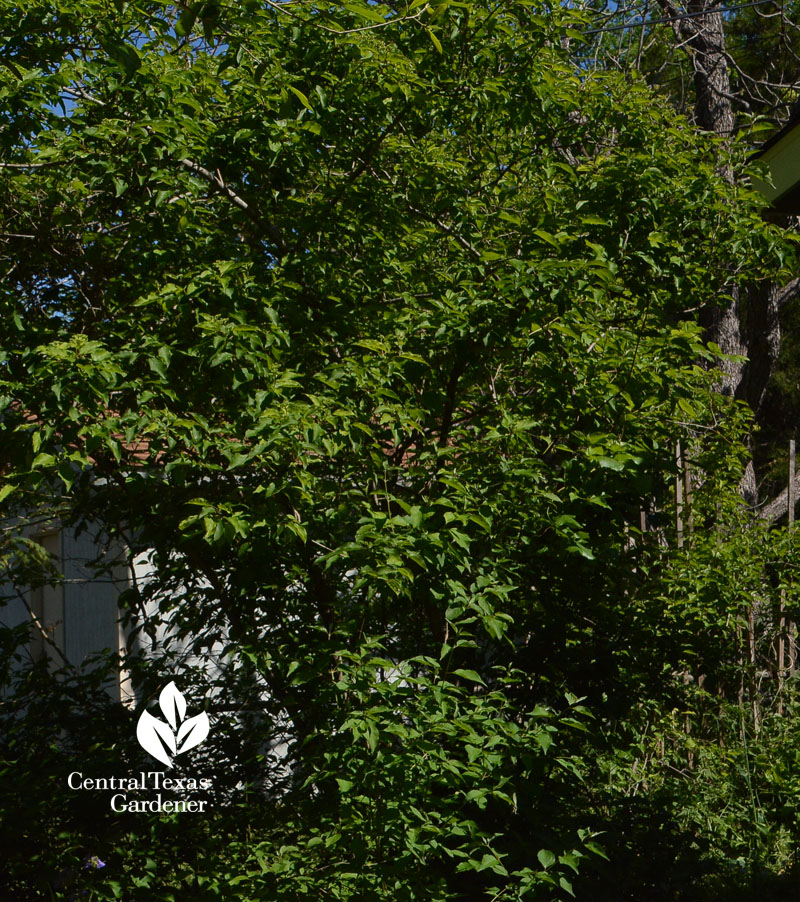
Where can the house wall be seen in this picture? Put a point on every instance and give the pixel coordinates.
(79, 612)
(91, 617)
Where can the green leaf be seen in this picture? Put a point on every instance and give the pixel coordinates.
(301, 97)
(297, 528)
(186, 20)
(546, 858)
(471, 675)
(434, 40)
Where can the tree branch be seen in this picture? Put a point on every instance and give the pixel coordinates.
(785, 294)
(215, 179)
(776, 508)
(45, 636)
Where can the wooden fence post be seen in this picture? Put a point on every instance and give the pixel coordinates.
(792, 499)
(687, 486)
(785, 627)
(679, 495)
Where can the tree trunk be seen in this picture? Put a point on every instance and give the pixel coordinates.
(748, 325)
(706, 36)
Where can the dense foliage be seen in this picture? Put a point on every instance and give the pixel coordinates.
(377, 330)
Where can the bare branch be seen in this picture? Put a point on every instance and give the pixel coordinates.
(215, 179)
(779, 506)
(787, 293)
(46, 637)
(33, 165)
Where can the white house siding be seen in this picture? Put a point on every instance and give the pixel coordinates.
(163, 640)
(79, 613)
(91, 614)
(45, 602)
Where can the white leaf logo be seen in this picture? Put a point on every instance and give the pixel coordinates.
(165, 740)
(156, 738)
(192, 732)
(172, 704)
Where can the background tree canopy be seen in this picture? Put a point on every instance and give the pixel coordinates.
(377, 328)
